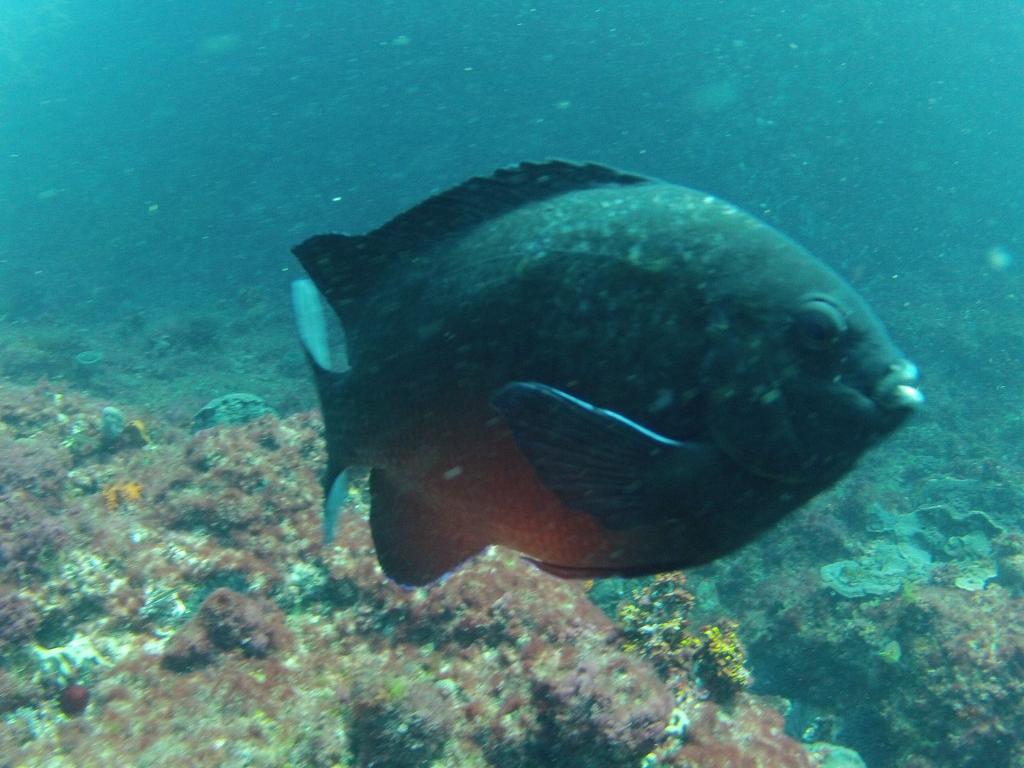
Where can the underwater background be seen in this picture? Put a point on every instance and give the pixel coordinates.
(163, 596)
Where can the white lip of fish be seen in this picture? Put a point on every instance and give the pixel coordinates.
(898, 389)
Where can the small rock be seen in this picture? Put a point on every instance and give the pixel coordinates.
(236, 408)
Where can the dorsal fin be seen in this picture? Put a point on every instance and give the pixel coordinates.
(486, 197)
(342, 265)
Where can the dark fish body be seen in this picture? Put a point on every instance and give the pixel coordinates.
(610, 374)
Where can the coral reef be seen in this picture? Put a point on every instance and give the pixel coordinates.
(18, 619)
(31, 466)
(209, 626)
(16, 692)
(226, 621)
(121, 492)
(654, 616)
(236, 408)
(242, 481)
(721, 660)
(909, 649)
(749, 733)
(185, 571)
(963, 660)
(30, 535)
(918, 545)
(534, 666)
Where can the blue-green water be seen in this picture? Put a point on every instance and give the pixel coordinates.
(159, 159)
(886, 136)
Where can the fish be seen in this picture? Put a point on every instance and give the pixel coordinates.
(607, 373)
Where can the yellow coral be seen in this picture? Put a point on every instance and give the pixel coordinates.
(137, 429)
(653, 616)
(629, 613)
(724, 657)
(122, 492)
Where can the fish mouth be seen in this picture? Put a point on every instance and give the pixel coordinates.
(897, 390)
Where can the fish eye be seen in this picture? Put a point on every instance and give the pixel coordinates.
(819, 323)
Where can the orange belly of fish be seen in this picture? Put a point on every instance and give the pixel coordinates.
(464, 484)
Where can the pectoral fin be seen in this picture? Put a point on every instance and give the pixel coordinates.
(599, 462)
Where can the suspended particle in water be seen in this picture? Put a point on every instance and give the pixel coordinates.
(999, 258)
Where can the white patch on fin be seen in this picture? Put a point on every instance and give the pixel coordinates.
(309, 317)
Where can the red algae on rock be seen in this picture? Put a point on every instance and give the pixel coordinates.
(227, 621)
(34, 466)
(963, 677)
(251, 477)
(746, 734)
(528, 669)
(311, 657)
